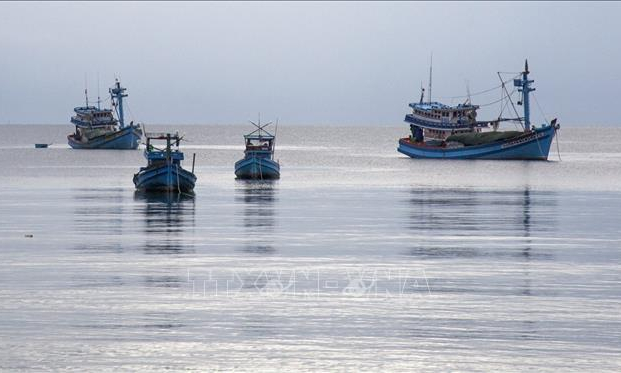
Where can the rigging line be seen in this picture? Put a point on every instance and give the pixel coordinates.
(497, 101)
(481, 92)
(130, 112)
(540, 110)
(510, 100)
(504, 106)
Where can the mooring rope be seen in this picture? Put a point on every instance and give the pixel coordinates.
(178, 188)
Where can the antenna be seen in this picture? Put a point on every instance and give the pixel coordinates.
(468, 91)
(98, 98)
(422, 92)
(86, 88)
(430, 76)
(260, 127)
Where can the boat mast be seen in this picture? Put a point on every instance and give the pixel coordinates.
(118, 93)
(524, 87)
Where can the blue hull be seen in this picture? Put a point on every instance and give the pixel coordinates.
(126, 138)
(165, 178)
(530, 146)
(257, 168)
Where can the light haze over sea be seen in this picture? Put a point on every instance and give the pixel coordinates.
(307, 63)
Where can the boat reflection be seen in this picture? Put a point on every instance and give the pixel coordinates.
(513, 215)
(168, 217)
(98, 218)
(258, 198)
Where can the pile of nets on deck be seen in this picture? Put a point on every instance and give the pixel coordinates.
(480, 138)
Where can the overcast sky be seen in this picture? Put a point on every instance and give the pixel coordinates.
(306, 63)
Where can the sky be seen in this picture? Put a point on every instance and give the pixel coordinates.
(350, 63)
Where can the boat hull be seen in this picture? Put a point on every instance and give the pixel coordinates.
(165, 178)
(257, 168)
(534, 145)
(125, 138)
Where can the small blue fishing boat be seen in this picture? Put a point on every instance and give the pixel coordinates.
(258, 162)
(164, 172)
(97, 128)
(441, 131)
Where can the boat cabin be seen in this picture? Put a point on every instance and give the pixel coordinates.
(91, 116)
(436, 121)
(259, 145)
(165, 154)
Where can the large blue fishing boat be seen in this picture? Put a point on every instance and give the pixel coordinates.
(453, 132)
(258, 161)
(164, 172)
(97, 128)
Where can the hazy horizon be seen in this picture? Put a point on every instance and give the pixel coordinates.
(304, 63)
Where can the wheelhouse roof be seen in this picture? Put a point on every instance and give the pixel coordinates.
(162, 136)
(91, 108)
(428, 106)
(259, 137)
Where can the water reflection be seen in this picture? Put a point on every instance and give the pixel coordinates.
(259, 220)
(438, 213)
(98, 210)
(526, 251)
(98, 218)
(168, 218)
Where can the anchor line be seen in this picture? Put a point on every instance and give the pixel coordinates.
(558, 149)
(178, 187)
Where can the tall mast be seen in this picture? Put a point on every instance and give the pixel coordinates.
(524, 87)
(118, 92)
(430, 75)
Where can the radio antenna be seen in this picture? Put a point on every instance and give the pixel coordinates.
(86, 88)
(430, 76)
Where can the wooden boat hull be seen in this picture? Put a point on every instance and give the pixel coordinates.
(533, 145)
(257, 168)
(126, 138)
(165, 178)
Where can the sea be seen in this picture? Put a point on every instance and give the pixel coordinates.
(358, 259)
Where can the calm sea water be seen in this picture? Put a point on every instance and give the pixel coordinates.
(358, 259)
